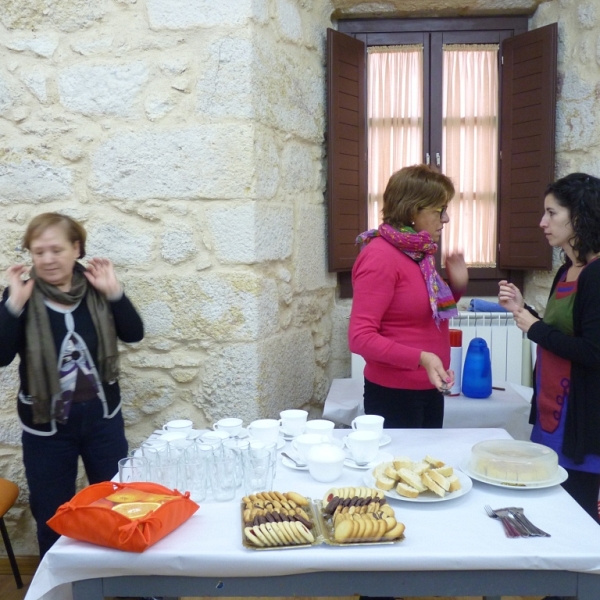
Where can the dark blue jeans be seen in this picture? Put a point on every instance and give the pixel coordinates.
(51, 462)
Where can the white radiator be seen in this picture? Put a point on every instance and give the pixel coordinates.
(510, 350)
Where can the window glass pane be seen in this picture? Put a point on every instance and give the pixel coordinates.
(395, 116)
(470, 151)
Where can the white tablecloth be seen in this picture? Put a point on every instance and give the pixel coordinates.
(449, 535)
(506, 409)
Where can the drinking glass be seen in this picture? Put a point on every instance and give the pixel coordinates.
(194, 468)
(258, 471)
(222, 473)
(133, 468)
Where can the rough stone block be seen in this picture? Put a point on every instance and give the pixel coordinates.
(251, 232)
(123, 246)
(300, 165)
(340, 352)
(266, 159)
(157, 317)
(186, 14)
(229, 306)
(43, 46)
(36, 83)
(90, 47)
(286, 97)
(310, 249)
(143, 395)
(33, 181)
(65, 15)
(225, 85)
(212, 161)
(289, 20)
(6, 96)
(587, 14)
(259, 380)
(178, 245)
(9, 386)
(103, 89)
(208, 308)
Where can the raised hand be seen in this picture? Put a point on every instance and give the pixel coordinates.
(19, 291)
(458, 274)
(101, 274)
(509, 296)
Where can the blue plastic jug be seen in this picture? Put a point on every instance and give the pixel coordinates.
(477, 372)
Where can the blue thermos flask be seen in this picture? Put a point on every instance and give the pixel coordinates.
(477, 372)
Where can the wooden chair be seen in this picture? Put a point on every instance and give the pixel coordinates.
(8, 496)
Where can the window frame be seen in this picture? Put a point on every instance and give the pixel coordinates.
(433, 34)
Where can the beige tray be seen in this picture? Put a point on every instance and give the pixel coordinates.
(326, 527)
(316, 531)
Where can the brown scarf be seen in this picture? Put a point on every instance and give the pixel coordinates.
(42, 361)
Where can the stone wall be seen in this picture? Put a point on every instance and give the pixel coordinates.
(187, 136)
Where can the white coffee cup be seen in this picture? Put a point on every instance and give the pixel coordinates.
(292, 421)
(363, 445)
(325, 462)
(231, 426)
(303, 443)
(179, 425)
(266, 430)
(368, 423)
(320, 426)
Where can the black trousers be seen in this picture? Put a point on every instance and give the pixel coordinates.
(405, 409)
(51, 461)
(583, 488)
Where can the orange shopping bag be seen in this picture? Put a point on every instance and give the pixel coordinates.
(130, 516)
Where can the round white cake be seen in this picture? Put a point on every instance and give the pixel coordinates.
(514, 461)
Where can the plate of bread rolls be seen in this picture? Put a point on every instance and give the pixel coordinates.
(425, 480)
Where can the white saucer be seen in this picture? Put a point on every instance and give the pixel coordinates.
(243, 433)
(561, 476)
(383, 441)
(286, 462)
(380, 458)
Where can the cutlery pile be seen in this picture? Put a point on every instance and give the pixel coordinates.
(514, 521)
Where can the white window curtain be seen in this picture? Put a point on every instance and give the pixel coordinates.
(470, 150)
(395, 116)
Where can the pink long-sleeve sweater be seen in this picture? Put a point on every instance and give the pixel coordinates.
(391, 320)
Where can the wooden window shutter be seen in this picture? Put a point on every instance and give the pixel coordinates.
(346, 148)
(528, 109)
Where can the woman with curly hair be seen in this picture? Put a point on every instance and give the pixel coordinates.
(566, 402)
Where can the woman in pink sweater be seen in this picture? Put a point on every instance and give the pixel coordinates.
(401, 306)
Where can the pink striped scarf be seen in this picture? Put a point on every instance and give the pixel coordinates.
(421, 248)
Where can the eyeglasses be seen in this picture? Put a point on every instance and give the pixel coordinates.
(443, 211)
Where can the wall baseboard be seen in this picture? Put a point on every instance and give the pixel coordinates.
(27, 565)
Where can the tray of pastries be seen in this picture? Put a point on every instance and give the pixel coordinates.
(274, 520)
(357, 515)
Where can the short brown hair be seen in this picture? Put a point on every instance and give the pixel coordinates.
(411, 189)
(72, 228)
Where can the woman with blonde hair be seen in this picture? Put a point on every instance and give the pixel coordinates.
(63, 322)
(401, 305)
